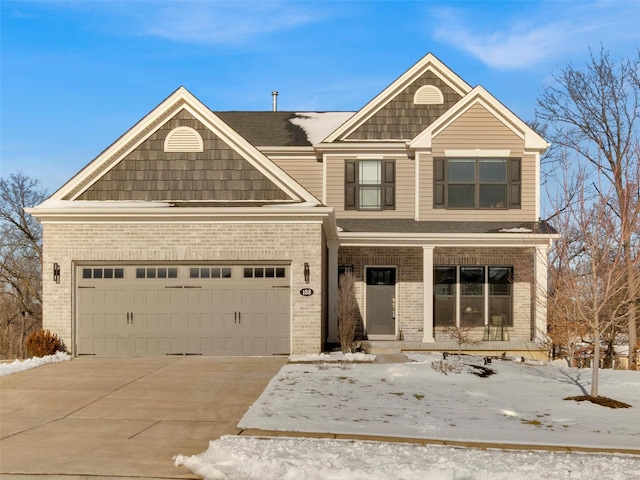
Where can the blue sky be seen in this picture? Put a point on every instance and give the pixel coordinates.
(75, 75)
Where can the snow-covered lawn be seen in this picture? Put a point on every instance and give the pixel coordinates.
(22, 365)
(517, 403)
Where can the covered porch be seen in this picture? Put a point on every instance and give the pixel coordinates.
(412, 259)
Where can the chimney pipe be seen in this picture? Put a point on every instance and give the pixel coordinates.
(275, 101)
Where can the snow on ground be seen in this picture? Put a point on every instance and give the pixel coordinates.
(246, 458)
(21, 366)
(520, 403)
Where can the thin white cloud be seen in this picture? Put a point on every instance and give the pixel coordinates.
(518, 43)
(225, 22)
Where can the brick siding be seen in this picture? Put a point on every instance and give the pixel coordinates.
(159, 242)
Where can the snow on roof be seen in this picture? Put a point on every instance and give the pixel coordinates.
(55, 203)
(516, 230)
(318, 125)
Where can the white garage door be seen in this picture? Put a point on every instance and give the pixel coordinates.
(147, 310)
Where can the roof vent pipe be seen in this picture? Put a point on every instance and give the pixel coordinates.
(275, 101)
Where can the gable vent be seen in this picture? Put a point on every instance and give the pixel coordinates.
(428, 95)
(183, 139)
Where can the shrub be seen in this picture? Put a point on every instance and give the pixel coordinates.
(347, 311)
(43, 342)
(442, 366)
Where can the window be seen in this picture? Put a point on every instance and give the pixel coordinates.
(154, 272)
(210, 272)
(264, 272)
(480, 183)
(472, 296)
(369, 185)
(106, 273)
(444, 305)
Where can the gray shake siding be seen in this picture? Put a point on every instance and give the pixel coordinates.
(401, 119)
(149, 173)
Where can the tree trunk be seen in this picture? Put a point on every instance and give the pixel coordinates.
(595, 364)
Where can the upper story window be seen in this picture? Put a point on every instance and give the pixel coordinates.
(369, 185)
(477, 183)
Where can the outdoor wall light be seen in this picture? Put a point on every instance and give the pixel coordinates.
(56, 272)
(306, 272)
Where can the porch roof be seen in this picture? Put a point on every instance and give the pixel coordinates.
(395, 225)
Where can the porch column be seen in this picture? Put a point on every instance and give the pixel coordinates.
(332, 284)
(427, 284)
(540, 294)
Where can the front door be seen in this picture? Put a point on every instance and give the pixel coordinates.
(381, 293)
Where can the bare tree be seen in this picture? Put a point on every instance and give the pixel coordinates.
(595, 112)
(20, 263)
(587, 274)
(462, 336)
(347, 311)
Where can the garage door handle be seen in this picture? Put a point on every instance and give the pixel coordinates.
(239, 317)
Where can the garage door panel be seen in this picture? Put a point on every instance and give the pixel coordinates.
(218, 314)
(163, 321)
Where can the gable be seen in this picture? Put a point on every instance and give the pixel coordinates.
(401, 118)
(396, 113)
(477, 128)
(217, 173)
(481, 117)
(213, 163)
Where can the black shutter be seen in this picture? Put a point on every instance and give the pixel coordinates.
(438, 183)
(350, 185)
(389, 185)
(515, 183)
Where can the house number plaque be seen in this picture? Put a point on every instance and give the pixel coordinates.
(306, 292)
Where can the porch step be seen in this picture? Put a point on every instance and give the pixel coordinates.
(511, 348)
(381, 347)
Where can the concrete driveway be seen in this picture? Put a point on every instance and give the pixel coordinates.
(123, 417)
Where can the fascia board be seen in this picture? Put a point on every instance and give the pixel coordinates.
(399, 146)
(428, 62)
(532, 140)
(176, 214)
(130, 135)
(445, 239)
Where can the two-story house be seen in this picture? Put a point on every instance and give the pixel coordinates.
(224, 233)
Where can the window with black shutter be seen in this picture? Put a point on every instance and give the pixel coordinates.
(477, 183)
(369, 185)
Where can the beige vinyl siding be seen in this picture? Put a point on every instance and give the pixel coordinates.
(405, 188)
(307, 171)
(478, 129)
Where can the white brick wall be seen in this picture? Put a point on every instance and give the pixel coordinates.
(157, 242)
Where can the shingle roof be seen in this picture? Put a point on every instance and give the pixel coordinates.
(267, 128)
(412, 226)
(284, 129)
